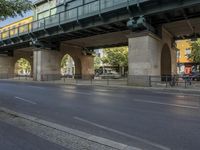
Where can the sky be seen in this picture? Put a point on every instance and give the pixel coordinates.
(11, 20)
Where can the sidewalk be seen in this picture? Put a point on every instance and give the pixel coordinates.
(54, 134)
(104, 83)
(14, 138)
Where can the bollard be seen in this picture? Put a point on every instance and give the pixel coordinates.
(149, 81)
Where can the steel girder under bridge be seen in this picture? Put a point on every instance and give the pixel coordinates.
(50, 31)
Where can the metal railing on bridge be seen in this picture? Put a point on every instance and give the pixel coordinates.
(96, 7)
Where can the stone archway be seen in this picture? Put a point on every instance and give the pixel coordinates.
(23, 67)
(166, 63)
(74, 67)
(27, 55)
(84, 64)
(67, 66)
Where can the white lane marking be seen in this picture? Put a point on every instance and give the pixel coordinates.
(89, 94)
(25, 100)
(167, 104)
(102, 90)
(75, 92)
(178, 94)
(32, 86)
(123, 134)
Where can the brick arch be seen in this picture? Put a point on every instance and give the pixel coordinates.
(76, 60)
(28, 60)
(84, 64)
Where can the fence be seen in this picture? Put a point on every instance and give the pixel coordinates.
(148, 81)
(165, 81)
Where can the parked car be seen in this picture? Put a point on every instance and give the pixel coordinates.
(111, 74)
(68, 76)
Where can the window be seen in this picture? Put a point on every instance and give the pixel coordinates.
(13, 31)
(187, 52)
(178, 54)
(53, 11)
(43, 15)
(57, 10)
(74, 4)
(58, 2)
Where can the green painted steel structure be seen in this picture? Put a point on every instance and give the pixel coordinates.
(97, 17)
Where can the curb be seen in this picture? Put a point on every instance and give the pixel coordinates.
(102, 141)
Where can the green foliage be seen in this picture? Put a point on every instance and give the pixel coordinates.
(117, 56)
(97, 62)
(195, 52)
(64, 61)
(12, 8)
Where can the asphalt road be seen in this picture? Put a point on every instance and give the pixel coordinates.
(12, 138)
(149, 119)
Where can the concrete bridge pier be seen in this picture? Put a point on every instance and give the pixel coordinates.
(46, 65)
(150, 55)
(6, 67)
(87, 67)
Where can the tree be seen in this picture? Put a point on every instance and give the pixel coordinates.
(117, 56)
(64, 61)
(97, 62)
(12, 8)
(195, 52)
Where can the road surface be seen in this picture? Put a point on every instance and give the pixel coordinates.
(149, 119)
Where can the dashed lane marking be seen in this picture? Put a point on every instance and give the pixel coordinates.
(167, 104)
(123, 134)
(25, 100)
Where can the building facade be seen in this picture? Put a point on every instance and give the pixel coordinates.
(184, 64)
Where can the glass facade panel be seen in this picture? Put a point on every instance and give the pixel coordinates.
(89, 8)
(71, 14)
(74, 4)
(57, 10)
(106, 3)
(43, 15)
(116, 2)
(53, 11)
(52, 19)
(88, 1)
